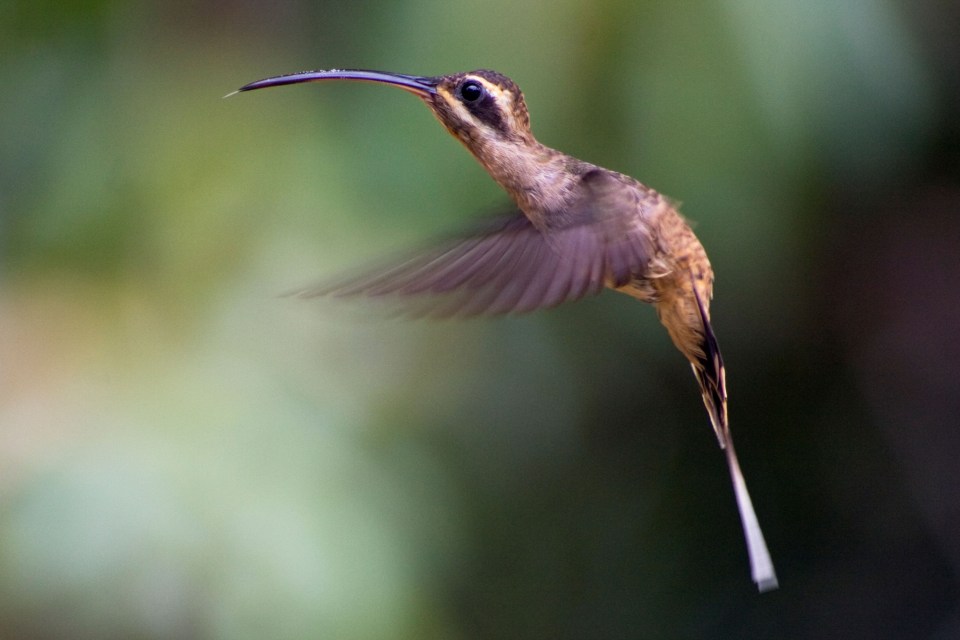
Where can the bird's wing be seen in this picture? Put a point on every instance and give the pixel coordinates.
(509, 265)
(619, 212)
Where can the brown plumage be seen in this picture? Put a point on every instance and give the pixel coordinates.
(578, 229)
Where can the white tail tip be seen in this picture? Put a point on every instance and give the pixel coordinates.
(761, 566)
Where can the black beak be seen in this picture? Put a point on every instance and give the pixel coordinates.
(420, 86)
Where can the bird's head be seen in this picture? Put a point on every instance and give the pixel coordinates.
(480, 108)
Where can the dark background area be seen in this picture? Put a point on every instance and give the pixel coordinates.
(185, 453)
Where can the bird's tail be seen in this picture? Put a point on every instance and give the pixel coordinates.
(711, 375)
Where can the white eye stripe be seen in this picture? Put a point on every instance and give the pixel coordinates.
(493, 90)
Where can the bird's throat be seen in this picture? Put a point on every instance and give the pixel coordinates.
(535, 176)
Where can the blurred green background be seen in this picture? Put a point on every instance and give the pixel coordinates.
(184, 453)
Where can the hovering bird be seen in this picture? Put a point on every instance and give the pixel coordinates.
(577, 229)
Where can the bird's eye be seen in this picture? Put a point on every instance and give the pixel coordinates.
(471, 91)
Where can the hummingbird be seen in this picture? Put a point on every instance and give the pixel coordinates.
(576, 230)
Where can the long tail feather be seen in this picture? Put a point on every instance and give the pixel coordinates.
(761, 566)
(711, 376)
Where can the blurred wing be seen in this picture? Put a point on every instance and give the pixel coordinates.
(509, 266)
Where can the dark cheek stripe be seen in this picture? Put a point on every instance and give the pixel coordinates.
(488, 112)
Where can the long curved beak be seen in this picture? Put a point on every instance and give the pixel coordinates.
(417, 85)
